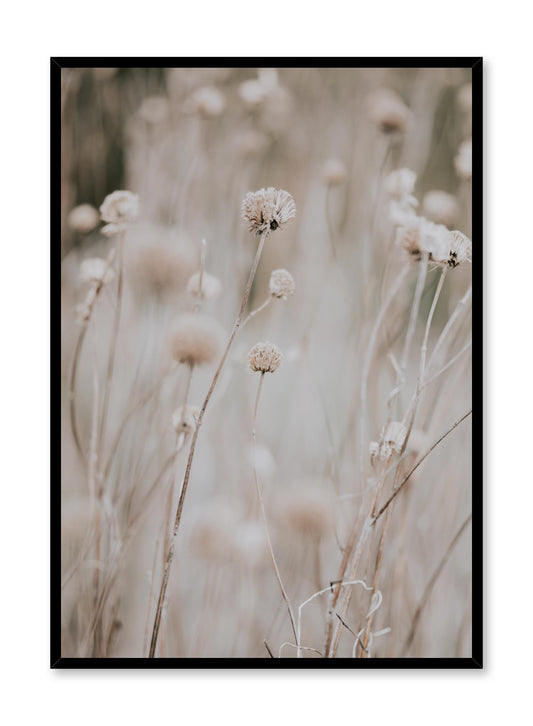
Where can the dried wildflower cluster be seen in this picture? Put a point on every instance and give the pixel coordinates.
(119, 209)
(421, 238)
(196, 339)
(267, 209)
(281, 284)
(391, 442)
(265, 357)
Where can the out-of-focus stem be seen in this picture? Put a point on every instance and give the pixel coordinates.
(170, 554)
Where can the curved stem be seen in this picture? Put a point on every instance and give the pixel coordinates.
(170, 553)
(72, 393)
(257, 310)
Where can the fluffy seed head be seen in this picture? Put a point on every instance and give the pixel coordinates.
(334, 172)
(389, 112)
(120, 207)
(265, 357)
(184, 419)
(83, 218)
(211, 286)
(196, 339)
(440, 207)
(96, 270)
(281, 284)
(308, 515)
(267, 209)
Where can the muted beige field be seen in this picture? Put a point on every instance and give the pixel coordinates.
(376, 364)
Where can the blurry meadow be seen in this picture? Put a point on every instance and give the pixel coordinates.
(209, 492)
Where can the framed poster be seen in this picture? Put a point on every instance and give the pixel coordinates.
(263, 302)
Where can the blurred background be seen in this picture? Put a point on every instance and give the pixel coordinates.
(191, 142)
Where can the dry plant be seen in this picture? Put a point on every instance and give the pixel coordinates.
(327, 515)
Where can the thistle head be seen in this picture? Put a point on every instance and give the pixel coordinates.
(196, 339)
(267, 209)
(265, 357)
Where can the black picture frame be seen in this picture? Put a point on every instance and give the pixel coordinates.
(476, 531)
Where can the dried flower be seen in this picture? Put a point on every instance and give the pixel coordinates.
(196, 339)
(281, 284)
(120, 207)
(389, 112)
(420, 237)
(334, 172)
(267, 209)
(400, 183)
(83, 218)
(463, 160)
(440, 207)
(208, 101)
(211, 286)
(96, 270)
(184, 419)
(110, 230)
(391, 442)
(253, 92)
(459, 250)
(265, 357)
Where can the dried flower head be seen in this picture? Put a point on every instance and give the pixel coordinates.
(196, 339)
(281, 284)
(400, 183)
(96, 270)
(440, 207)
(253, 92)
(389, 112)
(463, 160)
(419, 237)
(459, 250)
(110, 230)
(120, 207)
(184, 419)
(211, 286)
(83, 218)
(391, 442)
(208, 101)
(334, 172)
(267, 209)
(265, 357)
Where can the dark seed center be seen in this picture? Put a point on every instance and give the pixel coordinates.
(274, 225)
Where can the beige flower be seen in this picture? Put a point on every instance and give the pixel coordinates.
(267, 209)
(196, 339)
(265, 357)
(120, 207)
(211, 286)
(83, 218)
(389, 112)
(334, 172)
(281, 284)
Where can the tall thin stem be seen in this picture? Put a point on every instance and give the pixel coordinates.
(170, 553)
(263, 512)
(113, 348)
